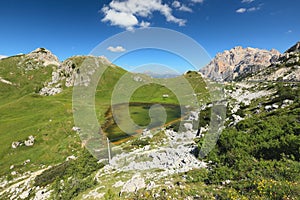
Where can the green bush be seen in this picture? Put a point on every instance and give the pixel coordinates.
(51, 174)
(140, 142)
(197, 175)
(264, 147)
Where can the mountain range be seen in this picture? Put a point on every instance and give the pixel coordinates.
(45, 155)
(239, 63)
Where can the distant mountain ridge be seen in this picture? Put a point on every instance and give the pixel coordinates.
(233, 63)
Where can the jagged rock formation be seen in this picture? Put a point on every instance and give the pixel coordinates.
(287, 68)
(295, 48)
(69, 71)
(40, 57)
(230, 64)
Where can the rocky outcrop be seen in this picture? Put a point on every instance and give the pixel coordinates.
(178, 154)
(294, 49)
(27, 143)
(40, 57)
(238, 61)
(134, 184)
(69, 71)
(287, 68)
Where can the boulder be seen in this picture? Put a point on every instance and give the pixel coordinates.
(134, 184)
(15, 145)
(29, 142)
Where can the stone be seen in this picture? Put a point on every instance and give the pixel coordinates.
(287, 101)
(188, 126)
(146, 148)
(42, 194)
(194, 116)
(26, 162)
(134, 184)
(237, 119)
(50, 91)
(72, 157)
(137, 79)
(268, 108)
(15, 145)
(25, 194)
(76, 129)
(151, 185)
(226, 182)
(118, 184)
(29, 142)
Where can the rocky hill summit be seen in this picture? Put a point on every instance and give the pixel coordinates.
(67, 72)
(232, 63)
(40, 57)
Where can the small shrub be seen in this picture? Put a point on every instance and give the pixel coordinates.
(140, 142)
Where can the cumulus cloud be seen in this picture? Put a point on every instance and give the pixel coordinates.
(126, 13)
(144, 24)
(176, 4)
(181, 7)
(116, 49)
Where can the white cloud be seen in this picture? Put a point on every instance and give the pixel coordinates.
(241, 10)
(289, 31)
(176, 4)
(181, 7)
(122, 19)
(116, 49)
(144, 24)
(2, 56)
(185, 9)
(252, 9)
(247, 1)
(125, 13)
(197, 1)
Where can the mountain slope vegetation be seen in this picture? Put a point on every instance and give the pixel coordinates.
(43, 157)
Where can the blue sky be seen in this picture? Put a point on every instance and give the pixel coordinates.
(75, 27)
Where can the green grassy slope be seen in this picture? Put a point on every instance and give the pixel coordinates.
(50, 119)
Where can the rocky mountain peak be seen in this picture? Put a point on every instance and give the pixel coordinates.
(45, 56)
(294, 49)
(232, 63)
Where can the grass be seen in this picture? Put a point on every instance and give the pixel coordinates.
(50, 119)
